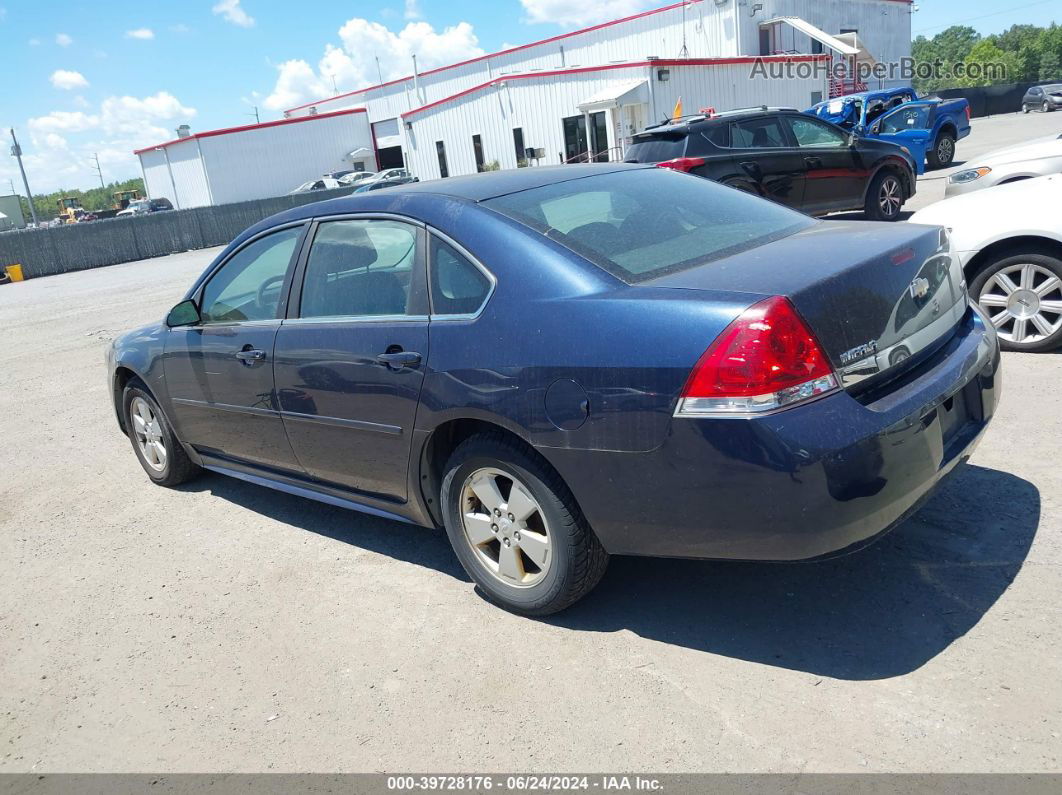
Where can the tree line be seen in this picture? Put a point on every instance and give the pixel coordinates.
(1028, 54)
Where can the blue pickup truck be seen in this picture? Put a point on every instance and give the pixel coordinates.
(927, 127)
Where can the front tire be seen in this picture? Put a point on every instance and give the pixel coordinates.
(943, 152)
(885, 197)
(1024, 108)
(516, 528)
(1021, 293)
(1046, 107)
(156, 447)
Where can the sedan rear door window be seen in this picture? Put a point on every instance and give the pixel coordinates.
(361, 268)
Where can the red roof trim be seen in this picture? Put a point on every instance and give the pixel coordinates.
(248, 127)
(514, 49)
(742, 59)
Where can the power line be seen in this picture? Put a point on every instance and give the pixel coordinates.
(985, 16)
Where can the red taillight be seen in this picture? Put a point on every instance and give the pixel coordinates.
(682, 163)
(766, 359)
(967, 113)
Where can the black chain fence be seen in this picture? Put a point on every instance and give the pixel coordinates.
(993, 100)
(75, 247)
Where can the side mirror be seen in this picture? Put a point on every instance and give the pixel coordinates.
(185, 313)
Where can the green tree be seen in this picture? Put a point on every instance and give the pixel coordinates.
(988, 65)
(1050, 67)
(47, 204)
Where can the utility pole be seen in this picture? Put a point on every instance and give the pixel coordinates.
(99, 171)
(16, 152)
(255, 114)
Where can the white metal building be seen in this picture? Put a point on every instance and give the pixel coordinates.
(572, 97)
(257, 161)
(583, 94)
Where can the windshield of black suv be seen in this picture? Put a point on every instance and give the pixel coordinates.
(642, 224)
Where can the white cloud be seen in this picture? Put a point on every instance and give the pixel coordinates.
(144, 34)
(67, 80)
(61, 144)
(353, 63)
(231, 11)
(588, 12)
(412, 10)
(63, 40)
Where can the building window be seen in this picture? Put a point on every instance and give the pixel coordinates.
(440, 150)
(518, 144)
(477, 148)
(816, 47)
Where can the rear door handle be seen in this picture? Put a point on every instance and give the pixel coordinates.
(250, 355)
(751, 167)
(813, 162)
(399, 359)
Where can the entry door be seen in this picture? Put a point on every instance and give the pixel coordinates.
(834, 178)
(220, 373)
(599, 136)
(575, 142)
(763, 152)
(350, 359)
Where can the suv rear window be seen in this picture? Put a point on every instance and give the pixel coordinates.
(655, 149)
(643, 223)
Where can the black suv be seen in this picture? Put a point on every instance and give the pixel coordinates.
(790, 157)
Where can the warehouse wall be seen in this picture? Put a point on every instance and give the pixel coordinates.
(271, 161)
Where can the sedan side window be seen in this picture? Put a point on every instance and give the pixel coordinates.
(457, 286)
(249, 284)
(360, 268)
(811, 134)
(757, 134)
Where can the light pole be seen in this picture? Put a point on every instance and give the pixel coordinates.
(16, 152)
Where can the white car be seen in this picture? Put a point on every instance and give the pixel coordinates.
(356, 176)
(321, 183)
(1009, 242)
(1035, 158)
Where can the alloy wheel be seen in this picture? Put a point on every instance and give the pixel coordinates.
(890, 197)
(505, 527)
(148, 432)
(1024, 302)
(1047, 107)
(945, 149)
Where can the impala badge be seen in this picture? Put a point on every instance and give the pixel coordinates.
(919, 288)
(859, 352)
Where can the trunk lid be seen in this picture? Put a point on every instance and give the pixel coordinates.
(878, 296)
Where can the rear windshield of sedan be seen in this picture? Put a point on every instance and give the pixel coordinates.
(645, 223)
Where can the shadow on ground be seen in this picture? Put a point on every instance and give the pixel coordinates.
(881, 612)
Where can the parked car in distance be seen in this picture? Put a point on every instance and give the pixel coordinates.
(354, 177)
(377, 184)
(321, 183)
(929, 127)
(1044, 98)
(422, 354)
(145, 206)
(393, 173)
(1035, 158)
(801, 162)
(1009, 242)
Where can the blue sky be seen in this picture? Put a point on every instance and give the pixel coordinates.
(107, 77)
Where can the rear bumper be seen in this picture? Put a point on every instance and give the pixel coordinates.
(798, 484)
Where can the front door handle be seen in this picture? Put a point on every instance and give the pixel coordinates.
(250, 355)
(813, 162)
(398, 359)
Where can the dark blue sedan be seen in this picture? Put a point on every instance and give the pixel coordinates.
(559, 364)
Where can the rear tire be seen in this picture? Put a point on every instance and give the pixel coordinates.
(542, 559)
(943, 152)
(1028, 318)
(156, 447)
(885, 197)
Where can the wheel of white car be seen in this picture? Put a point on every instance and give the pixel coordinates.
(1021, 293)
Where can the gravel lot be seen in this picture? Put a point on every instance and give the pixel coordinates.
(225, 627)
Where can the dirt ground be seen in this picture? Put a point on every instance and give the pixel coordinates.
(225, 627)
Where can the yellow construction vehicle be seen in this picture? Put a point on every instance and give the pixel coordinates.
(123, 197)
(69, 209)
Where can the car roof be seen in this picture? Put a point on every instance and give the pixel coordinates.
(685, 124)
